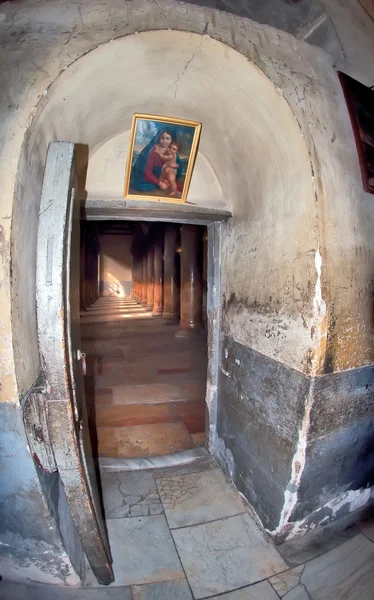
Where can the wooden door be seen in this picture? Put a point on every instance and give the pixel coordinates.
(58, 305)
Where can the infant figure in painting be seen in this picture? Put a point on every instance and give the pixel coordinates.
(168, 177)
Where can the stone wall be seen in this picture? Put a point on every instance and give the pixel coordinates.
(297, 256)
(35, 524)
(115, 265)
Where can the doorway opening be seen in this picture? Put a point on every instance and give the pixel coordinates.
(143, 296)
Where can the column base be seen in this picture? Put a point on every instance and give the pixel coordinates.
(195, 333)
(171, 317)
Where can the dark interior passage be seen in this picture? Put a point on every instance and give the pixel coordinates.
(143, 291)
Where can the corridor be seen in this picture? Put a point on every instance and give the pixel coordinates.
(145, 387)
(143, 291)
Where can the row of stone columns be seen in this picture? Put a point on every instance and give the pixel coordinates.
(89, 267)
(167, 273)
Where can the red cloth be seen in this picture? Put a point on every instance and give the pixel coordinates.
(154, 160)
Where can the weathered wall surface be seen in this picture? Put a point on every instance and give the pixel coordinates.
(31, 524)
(259, 125)
(297, 256)
(115, 265)
(261, 405)
(106, 169)
(354, 29)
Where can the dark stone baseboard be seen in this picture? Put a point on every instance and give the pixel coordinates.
(340, 449)
(260, 409)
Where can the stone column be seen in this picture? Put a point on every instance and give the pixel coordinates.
(205, 278)
(83, 261)
(171, 279)
(94, 274)
(158, 271)
(141, 281)
(135, 276)
(89, 277)
(144, 277)
(140, 277)
(96, 271)
(191, 278)
(150, 266)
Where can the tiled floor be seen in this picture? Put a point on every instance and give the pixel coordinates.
(145, 387)
(183, 533)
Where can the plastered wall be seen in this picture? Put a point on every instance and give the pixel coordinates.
(277, 150)
(115, 265)
(306, 80)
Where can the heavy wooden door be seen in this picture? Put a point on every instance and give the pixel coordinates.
(58, 305)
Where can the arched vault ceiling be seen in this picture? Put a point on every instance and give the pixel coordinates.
(250, 139)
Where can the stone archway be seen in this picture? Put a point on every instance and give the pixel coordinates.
(252, 161)
(328, 429)
(252, 158)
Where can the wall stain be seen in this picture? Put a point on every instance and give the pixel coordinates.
(328, 366)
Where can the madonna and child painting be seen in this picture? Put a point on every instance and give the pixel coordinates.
(161, 158)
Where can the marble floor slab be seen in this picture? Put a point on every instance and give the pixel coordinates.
(257, 591)
(287, 581)
(10, 590)
(198, 498)
(130, 494)
(143, 440)
(142, 550)
(344, 572)
(148, 394)
(300, 593)
(135, 414)
(224, 555)
(169, 590)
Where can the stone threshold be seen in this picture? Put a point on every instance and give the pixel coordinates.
(155, 462)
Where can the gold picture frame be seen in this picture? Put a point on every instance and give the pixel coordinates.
(161, 158)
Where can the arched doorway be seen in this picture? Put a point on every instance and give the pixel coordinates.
(252, 162)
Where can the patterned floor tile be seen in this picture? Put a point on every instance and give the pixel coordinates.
(198, 498)
(130, 494)
(285, 582)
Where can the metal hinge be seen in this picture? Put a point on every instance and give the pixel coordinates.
(36, 426)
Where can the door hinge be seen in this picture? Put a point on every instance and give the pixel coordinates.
(36, 426)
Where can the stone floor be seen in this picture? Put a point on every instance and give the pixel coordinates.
(184, 533)
(145, 387)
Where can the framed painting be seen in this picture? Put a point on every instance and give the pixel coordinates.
(360, 103)
(161, 158)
